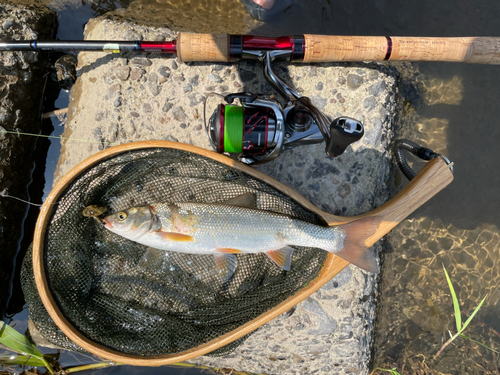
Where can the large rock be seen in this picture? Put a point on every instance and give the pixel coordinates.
(131, 97)
(21, 89)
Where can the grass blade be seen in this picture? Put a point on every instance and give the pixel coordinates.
(17, 342)
(22, 360)
(474, 313)
(456, 305)
(477, 342)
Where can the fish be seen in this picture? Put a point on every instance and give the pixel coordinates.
(234, 227)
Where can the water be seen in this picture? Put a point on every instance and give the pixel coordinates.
(454, 111)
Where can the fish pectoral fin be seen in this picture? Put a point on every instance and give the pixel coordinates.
(172, 236)
(282, 257)
(244, 200)
(226, 264)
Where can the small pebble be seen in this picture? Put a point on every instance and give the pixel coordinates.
(122, 72)
(167, 106)
(164, 72)
(194, 80)
(143, 61)
(214, 78)
(7, 24)
(354, 81)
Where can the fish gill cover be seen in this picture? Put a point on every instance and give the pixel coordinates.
(108, 289)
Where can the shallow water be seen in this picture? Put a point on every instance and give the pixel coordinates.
(453, 111)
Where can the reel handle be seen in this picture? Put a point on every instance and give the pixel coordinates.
(343, 132)
(339, 134)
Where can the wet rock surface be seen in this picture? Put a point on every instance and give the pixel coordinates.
(120, 98)
(21, 88)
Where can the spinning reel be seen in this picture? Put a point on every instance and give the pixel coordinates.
(260, 129)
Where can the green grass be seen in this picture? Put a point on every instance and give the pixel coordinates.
(27, 354)
(458, 317)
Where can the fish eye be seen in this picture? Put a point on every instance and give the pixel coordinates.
(122, 215)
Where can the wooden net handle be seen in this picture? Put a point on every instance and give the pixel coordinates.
(332, 48)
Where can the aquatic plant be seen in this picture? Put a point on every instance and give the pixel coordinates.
(458, 318)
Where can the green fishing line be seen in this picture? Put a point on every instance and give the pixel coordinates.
(233, 129)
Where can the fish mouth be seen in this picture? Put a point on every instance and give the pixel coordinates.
(107, 223)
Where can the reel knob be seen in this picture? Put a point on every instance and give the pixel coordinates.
(343, 132)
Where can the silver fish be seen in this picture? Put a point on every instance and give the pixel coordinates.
(226, 229)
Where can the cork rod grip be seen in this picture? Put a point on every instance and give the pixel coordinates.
(203, 47)
(329, 48)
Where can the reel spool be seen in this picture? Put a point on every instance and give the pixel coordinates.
(245, 130)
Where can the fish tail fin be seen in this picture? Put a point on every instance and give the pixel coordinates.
(355, 251)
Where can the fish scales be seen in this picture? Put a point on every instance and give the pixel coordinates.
(215, 226)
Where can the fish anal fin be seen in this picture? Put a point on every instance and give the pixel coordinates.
(151, 257)
(228, 251)
(244, 200)
(172, 236)
(226, 265)
(282, 257)
(354, 250)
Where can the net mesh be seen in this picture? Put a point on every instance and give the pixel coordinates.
(122, 295)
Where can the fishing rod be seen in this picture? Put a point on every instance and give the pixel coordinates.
(260, 128)
(298, 48)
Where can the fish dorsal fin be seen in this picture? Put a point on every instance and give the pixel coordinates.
(244, 200)
(354, 250)
(226, 264)
(282, 257)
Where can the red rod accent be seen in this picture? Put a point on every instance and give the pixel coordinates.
(251, 42)
(168, 47)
